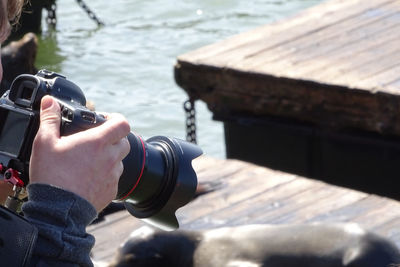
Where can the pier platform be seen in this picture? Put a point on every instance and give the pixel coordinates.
(317, 94)
(250, 194)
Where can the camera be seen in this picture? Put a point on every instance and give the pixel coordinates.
(158, 176)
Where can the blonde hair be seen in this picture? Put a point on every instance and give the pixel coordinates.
(10, 10)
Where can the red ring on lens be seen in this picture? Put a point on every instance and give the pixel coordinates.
(141, 172)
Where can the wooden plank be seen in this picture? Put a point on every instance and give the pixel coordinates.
(333, 59)
(301, 21)
(243, 185)
(297, 65)
(111, 233)
(301, 208)
(320, 42)
(390, 229)
(395, 84)
(350, 74)
(205, 169)
(234, 50)
(380, 214)
(235, 208)
(352, 211)
(386, 82)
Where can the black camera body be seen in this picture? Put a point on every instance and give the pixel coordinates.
(158, 177)
(19, 116)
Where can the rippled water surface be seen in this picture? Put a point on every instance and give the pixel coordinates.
(127, 65)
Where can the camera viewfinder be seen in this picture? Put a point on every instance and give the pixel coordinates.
(26, 92)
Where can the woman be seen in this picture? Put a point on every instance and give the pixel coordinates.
(71, 178)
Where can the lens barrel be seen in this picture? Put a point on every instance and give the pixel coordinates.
(158, 179)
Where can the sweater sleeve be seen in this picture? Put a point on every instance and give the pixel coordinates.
(61, 218)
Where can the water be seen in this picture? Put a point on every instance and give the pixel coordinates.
(127, 66)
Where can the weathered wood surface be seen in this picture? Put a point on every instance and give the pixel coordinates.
(335, 65)
(251, 194)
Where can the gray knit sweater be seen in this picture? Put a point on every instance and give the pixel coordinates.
(61, 218)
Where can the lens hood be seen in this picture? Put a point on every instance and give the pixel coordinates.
(176, 187)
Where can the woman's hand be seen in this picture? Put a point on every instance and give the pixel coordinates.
(88, 163)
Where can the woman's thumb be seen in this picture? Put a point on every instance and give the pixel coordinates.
(50, 117)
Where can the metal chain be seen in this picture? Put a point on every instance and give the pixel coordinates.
(51, 14)
(90, 13)
(190, 110)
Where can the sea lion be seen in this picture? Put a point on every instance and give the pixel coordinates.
(311, 245)
(18, 57)
(31, 18)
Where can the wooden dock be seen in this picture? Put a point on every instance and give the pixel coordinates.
(341, 57)
(317, 94)
(250, 194)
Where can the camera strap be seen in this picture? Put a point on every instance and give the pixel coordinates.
(17, 239)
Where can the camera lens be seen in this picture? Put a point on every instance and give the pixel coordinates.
(158, 179)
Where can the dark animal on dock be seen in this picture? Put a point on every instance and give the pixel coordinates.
(31, 18)
(18, 57)
(313, 245)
